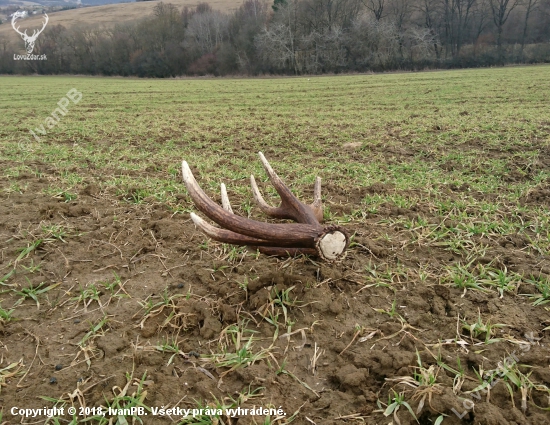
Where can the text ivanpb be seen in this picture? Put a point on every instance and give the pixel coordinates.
(51, 121)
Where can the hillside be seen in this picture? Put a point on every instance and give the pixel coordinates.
(109, 15)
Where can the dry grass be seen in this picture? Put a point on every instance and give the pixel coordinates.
(111, 14)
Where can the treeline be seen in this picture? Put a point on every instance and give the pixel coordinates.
(297, 37)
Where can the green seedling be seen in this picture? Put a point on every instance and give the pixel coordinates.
(542, 284)
(501, 280)
(170, 346)
(88, 295)
(395, 403)
(6, 315)
(54, 231)
(26, 251)
(33, 292)
(93, 332)
(479, 328)
(391, 312)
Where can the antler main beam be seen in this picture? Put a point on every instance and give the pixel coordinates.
(307, 236)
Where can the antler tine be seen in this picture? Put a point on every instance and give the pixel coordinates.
(317, 190)
(276, 212)
(225, 199)
(287, 210)
(227, 236)
(297, 234)
(306, 237)
(317, 205)
(283, 191)
(224, 235)
(293, 207)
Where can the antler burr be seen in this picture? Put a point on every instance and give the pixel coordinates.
(306, 236)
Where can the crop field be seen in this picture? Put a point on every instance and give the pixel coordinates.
(111, 298)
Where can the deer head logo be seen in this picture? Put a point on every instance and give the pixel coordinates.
(29, 40)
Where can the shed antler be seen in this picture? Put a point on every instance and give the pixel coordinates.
(307, 236)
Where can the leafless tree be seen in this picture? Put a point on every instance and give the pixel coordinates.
(428, 11)
(247, 22)
(278, 42)
(376, 7)
(421, 44)
(530, 6)
(501, 10)
(464, 13)
(456, 14)
(323, 52)
(4, 43)
(324, 15)
(481, 18)
(374, 43)
(400, 11)
(276, 45)
(208, 30)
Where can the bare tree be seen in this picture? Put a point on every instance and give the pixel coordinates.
(247, 22)
(4, 43)
(208, 30)
(464, 13)
(428, 11)
(456, 16)
(376, 7)
(324, 15)
(501, 10)
(481, 18)
(275, 46)
(374, 44)
(448, 18)
(400, 11)
(421, 43)
(278, 42)
(530, 5)
(162, 27)
(323, 52)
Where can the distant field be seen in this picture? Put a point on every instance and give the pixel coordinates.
(109, 295)
(109, 15)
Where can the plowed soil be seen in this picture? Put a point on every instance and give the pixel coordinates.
(153, 251)
(118, 276)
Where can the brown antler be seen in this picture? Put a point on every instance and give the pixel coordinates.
(305, 237)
